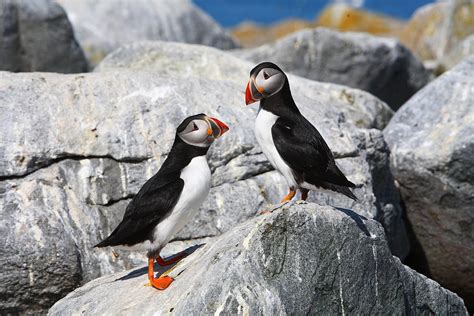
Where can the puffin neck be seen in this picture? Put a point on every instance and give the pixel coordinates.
(280, 102)
(187, 151)
(181, 155)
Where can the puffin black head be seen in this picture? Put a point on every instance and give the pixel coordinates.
(200, 130)
(266, 79)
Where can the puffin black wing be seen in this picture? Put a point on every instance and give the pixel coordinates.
(153, 202)
(303, 148)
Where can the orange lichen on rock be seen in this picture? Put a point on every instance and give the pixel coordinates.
(339, 17)
(437, 28)
(251, 35)
(345, 18)
(432, 33)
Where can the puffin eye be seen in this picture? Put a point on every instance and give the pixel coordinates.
(195, 128)
(265, 75)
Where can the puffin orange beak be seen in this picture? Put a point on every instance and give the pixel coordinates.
(222, 127)
(248, 95)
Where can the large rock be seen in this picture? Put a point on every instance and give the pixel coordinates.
(37, 36)
(103, 26)
(461, 51)
(77, 147)
(381, 66)
(435, 29)
(308, 259)
(431, 138)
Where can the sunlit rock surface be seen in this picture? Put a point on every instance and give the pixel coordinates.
(305, 259)
(432, 145)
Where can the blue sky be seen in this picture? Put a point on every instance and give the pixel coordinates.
(231, 12)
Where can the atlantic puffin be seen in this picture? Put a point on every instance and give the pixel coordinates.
(290, 142)
(169, 199)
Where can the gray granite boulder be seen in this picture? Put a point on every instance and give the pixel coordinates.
(461, 51)
(432, 144)
(381, 66)
(300, 260)
(103, 26)
(78, 147)
(37, 36)
(437, 28)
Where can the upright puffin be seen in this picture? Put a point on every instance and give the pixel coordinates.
(169, 199)
(289, 141)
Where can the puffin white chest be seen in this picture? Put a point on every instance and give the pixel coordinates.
(263, 132)
(197, 182)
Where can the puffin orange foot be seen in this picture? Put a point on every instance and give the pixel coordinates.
(161, 283)
(176, 258)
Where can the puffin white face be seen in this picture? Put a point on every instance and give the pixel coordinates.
(265, 83)
(201, 130)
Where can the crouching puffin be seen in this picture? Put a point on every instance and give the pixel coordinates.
(289, 141)
(169, 199)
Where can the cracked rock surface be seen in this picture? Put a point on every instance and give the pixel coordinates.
(302, 259)
(432, 144)
(76, 148)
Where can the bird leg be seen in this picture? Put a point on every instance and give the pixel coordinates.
(304, 194)
(160, 283)
(176, 258)
(289, 196)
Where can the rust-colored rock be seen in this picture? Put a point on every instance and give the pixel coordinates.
(338, 16)
(437, 28)
(253, 35)
(345, 18)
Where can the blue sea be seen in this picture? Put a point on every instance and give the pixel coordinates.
(232, 12)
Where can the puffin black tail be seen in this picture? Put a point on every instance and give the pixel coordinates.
(340, 189)
(109, 241)
(103, 243)
(347, 192)
(112, 240)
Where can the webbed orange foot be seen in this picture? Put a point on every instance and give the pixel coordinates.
(161, 283)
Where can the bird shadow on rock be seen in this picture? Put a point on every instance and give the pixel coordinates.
(157, 268)
(358, 219)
